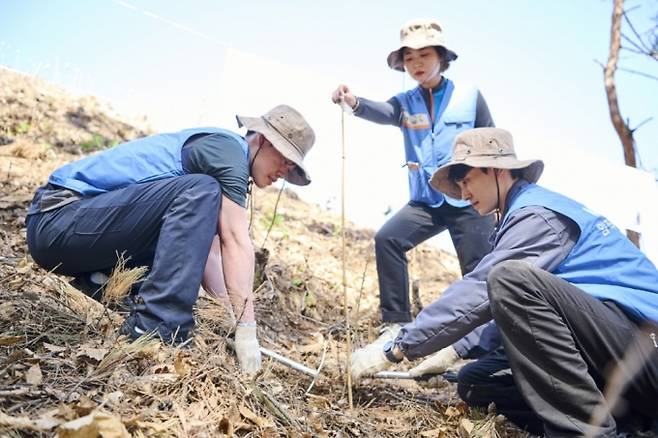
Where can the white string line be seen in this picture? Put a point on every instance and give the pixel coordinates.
(171, 23)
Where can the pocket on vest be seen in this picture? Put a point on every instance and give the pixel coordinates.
(460, 121)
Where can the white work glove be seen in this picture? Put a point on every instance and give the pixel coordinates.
(369, 360)
(437, 363)
(246, 347)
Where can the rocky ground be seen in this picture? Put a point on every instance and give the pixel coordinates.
(63, 371)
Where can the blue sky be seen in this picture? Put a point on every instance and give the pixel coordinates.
(546, 50)
(536, 63)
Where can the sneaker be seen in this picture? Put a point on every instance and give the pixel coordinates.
(130, 328)
(133, 331)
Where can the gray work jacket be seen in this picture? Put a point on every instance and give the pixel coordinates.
(534, 234)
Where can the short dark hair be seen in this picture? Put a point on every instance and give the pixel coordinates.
(459, 171)
(443, 56)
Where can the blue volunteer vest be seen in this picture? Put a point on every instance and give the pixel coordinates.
(137, 161)
(431, 146)
(603, 263)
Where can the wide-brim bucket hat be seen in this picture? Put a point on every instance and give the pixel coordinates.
(484, 147)
(416, 34)
(289, 133)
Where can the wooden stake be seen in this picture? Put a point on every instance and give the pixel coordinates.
(348, 336)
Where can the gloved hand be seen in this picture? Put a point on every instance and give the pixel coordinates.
(435, 382)
(437, 363)
(369, 360)
(246, 347)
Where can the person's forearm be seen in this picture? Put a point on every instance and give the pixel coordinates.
(238, 263)
(385, 113)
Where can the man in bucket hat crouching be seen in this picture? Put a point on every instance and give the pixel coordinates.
(175, 203)
(575, 303)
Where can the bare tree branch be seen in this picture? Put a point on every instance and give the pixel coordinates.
(645, 121)
(638, 49)
(653, 54)
(639, 73)
(645, 48)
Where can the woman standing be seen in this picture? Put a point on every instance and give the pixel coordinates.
(429, 116)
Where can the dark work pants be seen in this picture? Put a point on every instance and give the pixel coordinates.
(560, 347)
(488, 380)
(167, 225)
(412, 225)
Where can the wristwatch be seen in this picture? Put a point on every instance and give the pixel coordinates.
(388, 352)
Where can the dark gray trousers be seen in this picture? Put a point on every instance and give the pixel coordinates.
(560, 347)
(166, 225)
(412, 225)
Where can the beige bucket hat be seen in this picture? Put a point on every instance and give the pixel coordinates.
(289, 133)
(484, 147)
(416, 34)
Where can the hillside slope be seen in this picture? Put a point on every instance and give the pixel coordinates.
(63, 370)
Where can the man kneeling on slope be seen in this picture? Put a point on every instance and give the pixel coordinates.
(569, 293)
(175, 203)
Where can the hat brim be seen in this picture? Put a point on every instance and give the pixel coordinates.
(532, 170)
(299, 175)
(396, 62)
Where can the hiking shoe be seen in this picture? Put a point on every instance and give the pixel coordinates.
(133, 331)
(130, 328)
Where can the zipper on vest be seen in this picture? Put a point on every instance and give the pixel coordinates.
(431, 111)
(653, 338)
(432, 115)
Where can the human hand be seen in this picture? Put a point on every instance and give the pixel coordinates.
(369, 360)
(343, 94)
(437, 363)
(247, 348)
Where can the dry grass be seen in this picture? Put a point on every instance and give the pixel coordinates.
(90, 378)
(122, 279)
